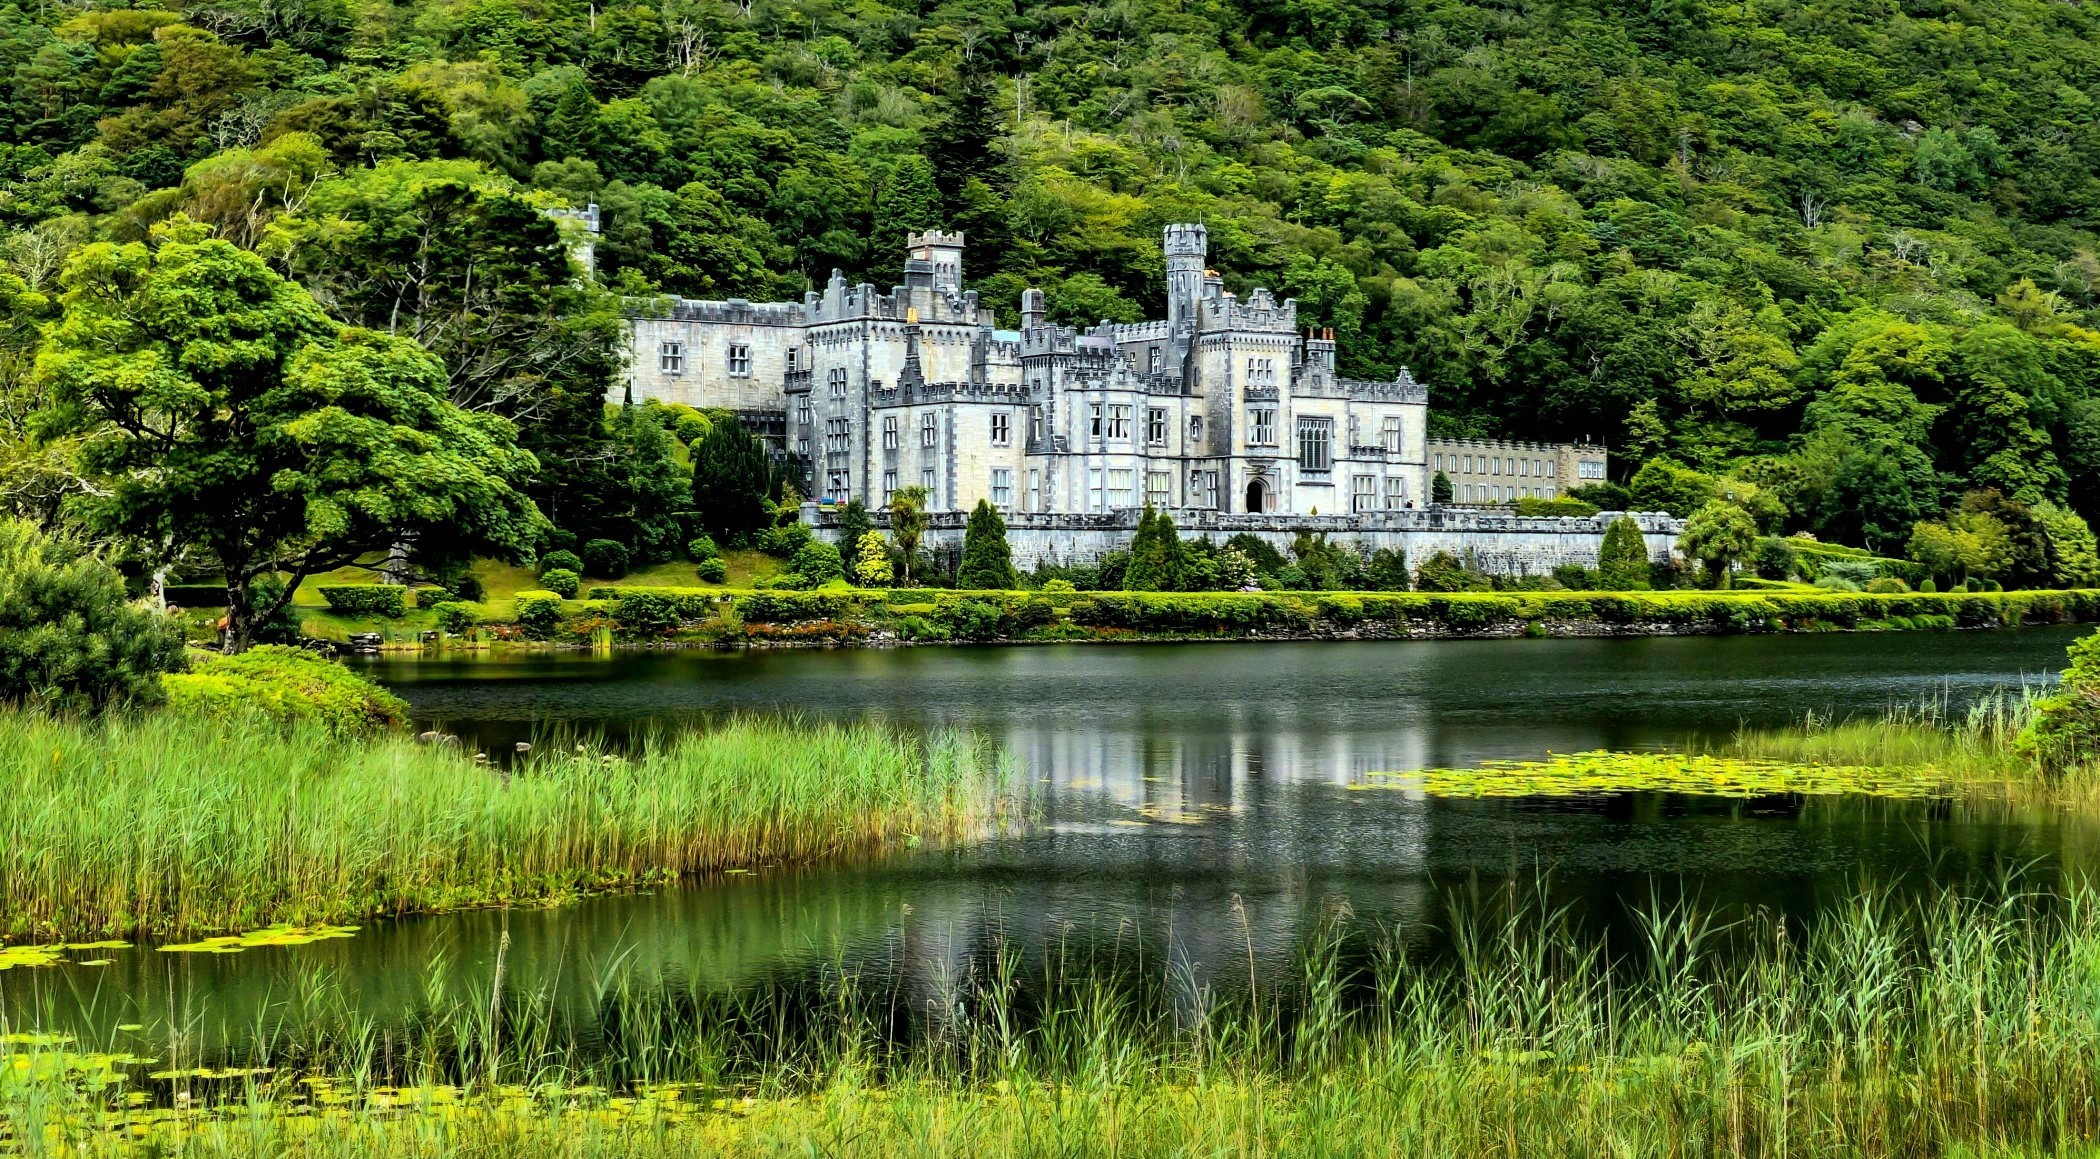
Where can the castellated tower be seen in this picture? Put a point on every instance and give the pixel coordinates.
(1186, 247)
(944, 251)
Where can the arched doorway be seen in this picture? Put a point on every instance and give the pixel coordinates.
(1257, 496)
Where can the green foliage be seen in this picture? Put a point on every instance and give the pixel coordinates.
(1263, 554)
(712, 570)
(1440, 489)
(604, 558)
(1663, 485)
(1622, 558)
(69, 639)
(280, 442)
(872, 563)
(1560, 505)
(1444, 572)
(1387, 571)
(539, 612)
(290, 686)
(562, 560)
(388, 600)
(731, 480)
(907, 509)
(2065, 732)
(818, 562)
(1155, 555)
(456, 618)
(1774, 560)
(562, 582)
(1717, 535)
(701, 548)
(987, 561)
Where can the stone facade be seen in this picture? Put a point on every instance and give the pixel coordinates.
(1223, 406)
(1490, 471)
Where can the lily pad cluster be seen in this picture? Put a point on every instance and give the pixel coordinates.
(1603, 772)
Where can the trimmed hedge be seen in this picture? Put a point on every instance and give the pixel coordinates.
(389, 600)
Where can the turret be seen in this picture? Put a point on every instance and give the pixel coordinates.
(1186, 246)
(942, 252)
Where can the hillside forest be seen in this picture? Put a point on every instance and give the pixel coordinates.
(1833, 263)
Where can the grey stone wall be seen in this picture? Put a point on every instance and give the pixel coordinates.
(1500, 544)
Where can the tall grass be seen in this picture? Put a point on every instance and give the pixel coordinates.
(162, 826)
(1935, 1026)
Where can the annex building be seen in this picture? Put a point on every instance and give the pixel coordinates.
(1225, 406)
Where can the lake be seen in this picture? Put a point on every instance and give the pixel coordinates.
(1193, 806)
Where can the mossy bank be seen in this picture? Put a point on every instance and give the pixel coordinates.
(609, 616)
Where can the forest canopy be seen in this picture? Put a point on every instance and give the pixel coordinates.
(1839, 254)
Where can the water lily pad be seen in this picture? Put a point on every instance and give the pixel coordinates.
(273, 936)
(1600, 773)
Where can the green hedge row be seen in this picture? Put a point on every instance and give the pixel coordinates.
(387, 600)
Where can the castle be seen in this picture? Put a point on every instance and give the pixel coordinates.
(1224, 407)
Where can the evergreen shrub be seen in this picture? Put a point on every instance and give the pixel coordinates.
(69, 639)
(562, 559)
(539, 612)
(604, 558)
(388, 600)
(287, 685)
(711, 570)
(561, 582)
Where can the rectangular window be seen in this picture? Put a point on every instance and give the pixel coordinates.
(670, 357)
(927, 480)
(1156, 426)
(929, 432)
(1552, 468)
(835, 381)
(1316, 445)
(1152, 360)
(1035, 490)
(838, 487)
(1589, 470)
(838, 435)
(1035, 423)
(1093, 410)
(1120, 484)
(803, 414)
(1119, 422)
(1002, 429)
(802, 447)
(1261, 428)
(889, 432)
(1093, 485)
(1159, 488)
(739, 360)
(1390, 434)
(1468, 468)
(1002, 487)
(889, 485)
(791, 359)
(1395, 493)
(1361, 496)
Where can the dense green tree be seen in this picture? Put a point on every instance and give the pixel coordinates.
(69, 638)
(907, 511)
(219, 411)
(1440, 490)
(987, 561)
(730, 480)
(1155, 555)
(1717, 535)
(1622, 557)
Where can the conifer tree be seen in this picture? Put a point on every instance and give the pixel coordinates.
(1440, 488)
(1155, 555)
(730, 480)
(987, 561)
(1622, 559)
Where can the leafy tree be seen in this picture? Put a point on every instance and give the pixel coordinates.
(1440, 490)
(854, 523)
(730, 481)
(69, 639)
(2074, 557)
(987, 561)
(1622, 558)
(818, 562)
(1155, 555)
(1443, 572)
(1664, 485)
(1717, 535)
(872, 567)
(907, 523)
(1869, 502)
(1387, 571)
(604, 558)
(221, 412)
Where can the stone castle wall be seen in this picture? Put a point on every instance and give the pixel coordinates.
(1499, 544)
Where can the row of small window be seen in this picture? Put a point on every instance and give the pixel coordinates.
(1367, 494)
(670, 358)
(1487, 493)
(1497, 465)
(929, 430)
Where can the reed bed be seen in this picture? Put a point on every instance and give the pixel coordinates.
(1938, 1025)
(160, 825)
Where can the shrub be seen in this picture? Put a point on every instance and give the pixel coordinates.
(539, 612)
(1774, 560)
(1387, 571)
(456, 618)
(789, 607)
(784, 541)
(2065, 732)
(1060, 586)
(389, 600)
(561, 582)
(987, 561)
(970, 619)
(712, 570)
(1622, 559)
(701, 548)
(563, 560)
(68, 637)
(818, 562)
(1887, 585)
(287, 685)
(1442, 572)
(873, 565)
(604, 558)
(1927, 585)
(467, 586)
(645, 613)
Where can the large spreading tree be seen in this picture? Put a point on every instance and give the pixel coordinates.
(217, 409)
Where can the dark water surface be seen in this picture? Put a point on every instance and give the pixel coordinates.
(1193, 799)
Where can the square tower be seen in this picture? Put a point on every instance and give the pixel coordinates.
(943, 252)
